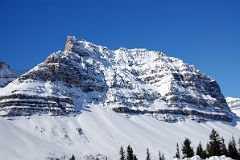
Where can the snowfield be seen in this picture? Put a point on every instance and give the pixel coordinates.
(100, 131)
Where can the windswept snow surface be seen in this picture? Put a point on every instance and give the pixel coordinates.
(99, 130)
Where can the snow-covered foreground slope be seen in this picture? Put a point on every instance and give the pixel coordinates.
(211, 158)
(234, 104)
(99, 130)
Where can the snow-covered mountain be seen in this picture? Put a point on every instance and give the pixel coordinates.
(234, 104)
(102, 99)
(7, 74)
(134, 80)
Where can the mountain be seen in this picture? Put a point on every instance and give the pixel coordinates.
(89, 101)
(127, 80)
(7, 74)
(234, 104)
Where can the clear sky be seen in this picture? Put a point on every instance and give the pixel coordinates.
(205, 33)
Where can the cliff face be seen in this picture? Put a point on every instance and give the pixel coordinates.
(135, 80)
(7, 75)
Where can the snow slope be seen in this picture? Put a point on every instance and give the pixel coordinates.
(99, 130)
(234, 104)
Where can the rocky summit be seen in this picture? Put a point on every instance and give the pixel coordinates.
(132, 81)
(6, 74)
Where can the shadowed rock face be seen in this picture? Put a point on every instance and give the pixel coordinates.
(7, 75)
(67, 70)
(136, 79)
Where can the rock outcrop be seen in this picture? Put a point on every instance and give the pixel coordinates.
(7, 75)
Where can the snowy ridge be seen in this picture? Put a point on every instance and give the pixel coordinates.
(134, 79)
(6, 74)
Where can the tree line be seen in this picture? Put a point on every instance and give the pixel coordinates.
(215, 147)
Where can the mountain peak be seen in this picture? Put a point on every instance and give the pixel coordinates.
(127, 80)
(6, 74)
(69, 42)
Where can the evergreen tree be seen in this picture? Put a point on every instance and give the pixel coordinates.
(177, 155)
(214, 148)
(148, 155)
(72, 158)
(200, 151)
(187, 150)
(134, 157)
(232, 150)
(161, 156)
(239, 148)
(223, 147)
(207, 149)
(122, 153)
(129, 153)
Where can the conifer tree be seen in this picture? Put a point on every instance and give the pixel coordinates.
(129, 153)
(187, 150)
(214, 146)
(177, 155)
(122, 153)
(223, 147)
(72, 158)
(232, 150)
(201, 152)
(239, 148)
(148, 155)
(134, 157)
(207, 149)
(161, 156)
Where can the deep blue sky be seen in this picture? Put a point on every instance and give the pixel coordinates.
(205, 33)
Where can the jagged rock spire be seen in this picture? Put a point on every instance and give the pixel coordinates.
(69, 42)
